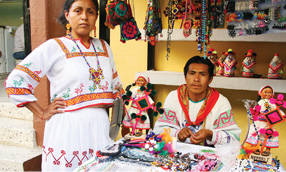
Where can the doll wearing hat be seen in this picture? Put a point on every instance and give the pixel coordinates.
(212, 56)
(220, 64)
(229, 64)
(257, 132)
(248, 64)
(275, 70)
(128, 122)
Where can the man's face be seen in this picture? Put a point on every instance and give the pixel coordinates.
(198, 80)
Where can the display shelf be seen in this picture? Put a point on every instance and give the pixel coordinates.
(234, 83)
(222, 35)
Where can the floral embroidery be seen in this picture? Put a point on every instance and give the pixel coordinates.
(18, 83)
(73, 49)
(76, 54)
(28, 64)
(99, 49)
(33, 75)
(66, 95)
(105, 87)
(92, 88)
(63, 157)
(224, 120)
(55, 95)
(79, 90)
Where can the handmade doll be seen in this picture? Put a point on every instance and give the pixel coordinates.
(129, 121)
(257, 129)
(275, 68)
(220, 64)
(248, 64)
(212, 55)
(229, 64)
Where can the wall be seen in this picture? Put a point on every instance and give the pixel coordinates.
(11, 13)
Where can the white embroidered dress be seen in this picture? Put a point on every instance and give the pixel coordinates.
(220, 120)
(72, 137)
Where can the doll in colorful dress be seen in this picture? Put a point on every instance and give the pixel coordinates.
(275, 68)
(144, 122)
(212, 55)
(248, 64)
(257, 129)
(220, 64)
(229, 64)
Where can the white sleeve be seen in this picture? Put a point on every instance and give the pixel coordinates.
(26, 76)
(169, 118)
(223, 125)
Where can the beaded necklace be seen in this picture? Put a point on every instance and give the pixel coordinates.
(94, 74)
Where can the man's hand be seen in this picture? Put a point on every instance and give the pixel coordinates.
(201, 136)
(184, 134)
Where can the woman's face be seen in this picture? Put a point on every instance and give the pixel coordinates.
(140, 82)
(82, 16)
(266, 93)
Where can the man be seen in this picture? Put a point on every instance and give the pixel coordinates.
(19, 44)
(197, 113)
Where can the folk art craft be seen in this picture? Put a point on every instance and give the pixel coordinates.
(275, 68)
(248, 64)
(265, 113)
(212, 56)
(119, 12)
(229, 63)
(137, 119)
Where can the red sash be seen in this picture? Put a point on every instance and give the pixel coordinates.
(209, 102)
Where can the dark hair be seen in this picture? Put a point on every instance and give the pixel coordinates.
(259, 97)
(200, 60)
(67, 5)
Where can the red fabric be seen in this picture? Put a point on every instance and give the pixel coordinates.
(210, 101)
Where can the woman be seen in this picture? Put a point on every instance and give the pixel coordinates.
(83, 82)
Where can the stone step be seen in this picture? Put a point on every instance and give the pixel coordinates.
(13, 158)
(17, 132)
(10, 110)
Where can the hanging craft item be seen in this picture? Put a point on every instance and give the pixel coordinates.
(171, 11)
(117, 12)
(128, 29)
(153, 22)
(187, 21)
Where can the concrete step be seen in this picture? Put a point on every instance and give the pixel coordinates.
(13, 158)
(10, 110)
(17, 132)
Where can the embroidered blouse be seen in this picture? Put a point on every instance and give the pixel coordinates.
(68, 73)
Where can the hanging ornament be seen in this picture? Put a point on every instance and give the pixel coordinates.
(153, 22)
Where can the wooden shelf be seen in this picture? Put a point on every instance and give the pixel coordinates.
(222, 35)
(234, 83)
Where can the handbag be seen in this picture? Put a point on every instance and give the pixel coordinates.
(129, 31)
(117, 12)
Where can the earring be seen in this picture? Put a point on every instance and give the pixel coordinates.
(94, 31)
(68, 27)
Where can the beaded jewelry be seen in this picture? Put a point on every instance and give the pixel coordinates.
(94, 74)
